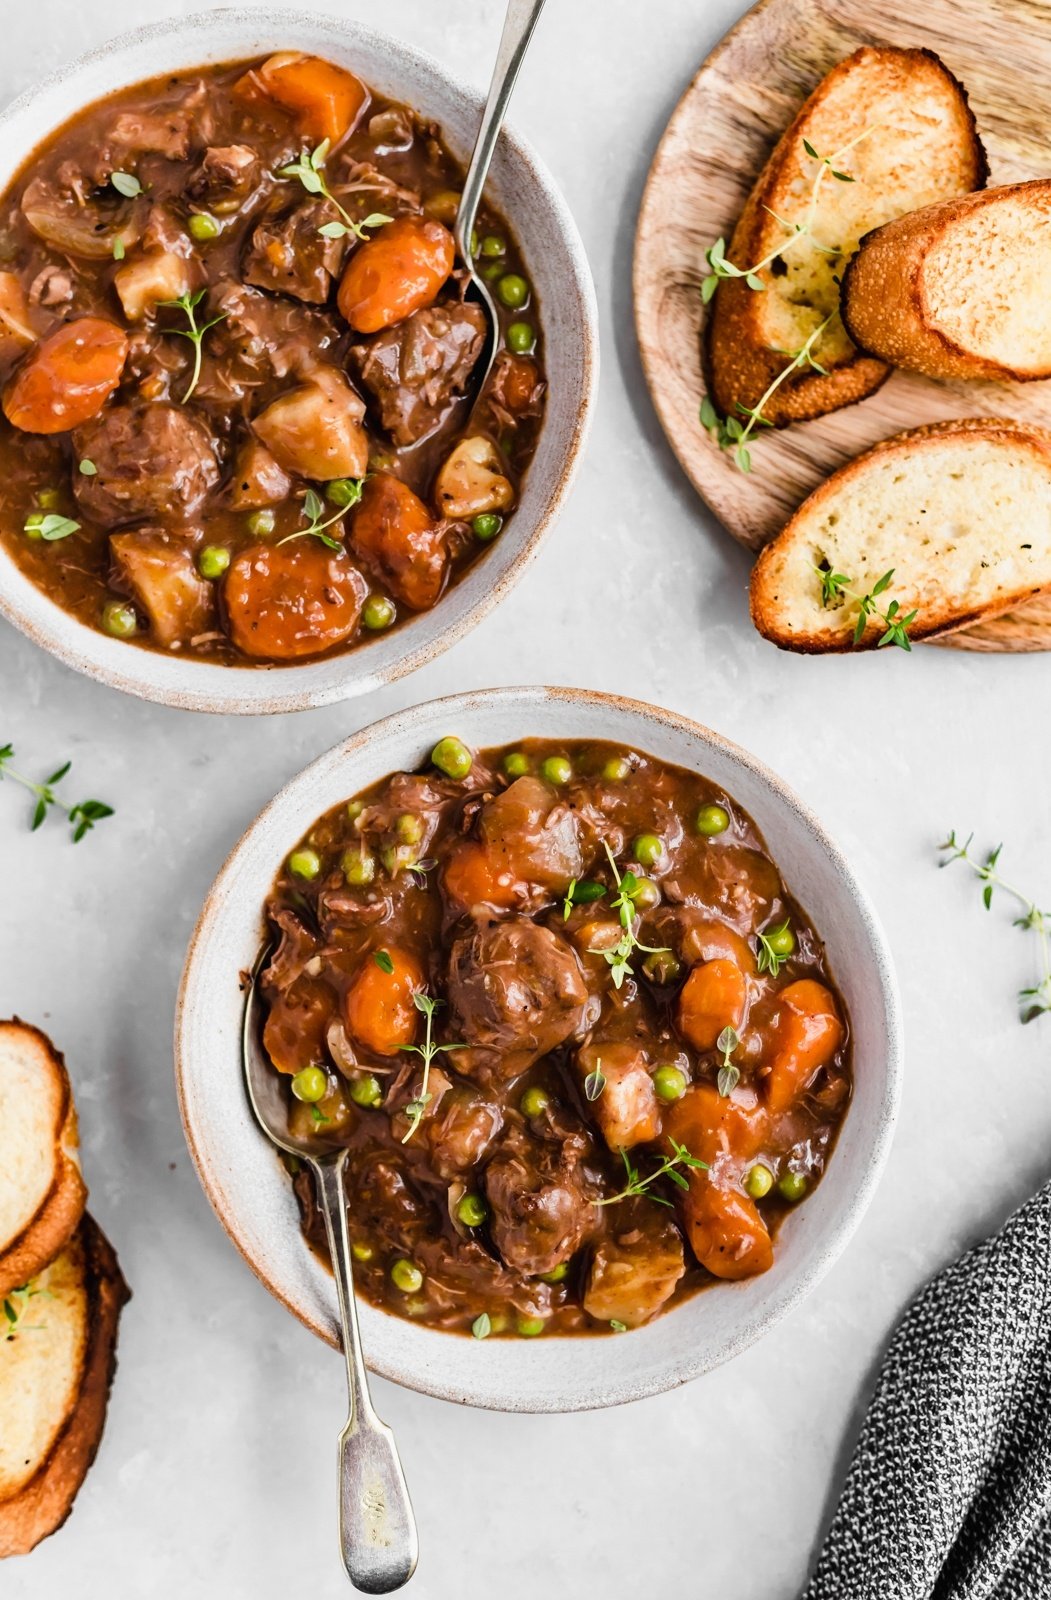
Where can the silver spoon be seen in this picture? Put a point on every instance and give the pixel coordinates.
(377, 1530)
(521, 19)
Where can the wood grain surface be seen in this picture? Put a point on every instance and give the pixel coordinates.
(719, 136)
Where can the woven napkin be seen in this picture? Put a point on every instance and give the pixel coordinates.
(948, 1496)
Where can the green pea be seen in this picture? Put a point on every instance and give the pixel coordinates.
(616, 770)
(513, 290)
(49, 499)
(516, 765)
(472, 1210)
(487, 525)
(310, 1085)
(408, 828)
(366, 1091)
(648, 849)
(493, 271)
(792, 1186)
(362, 1251)
(712, 820)
(556, 769)
(452, 757)
(781, 940)
(119, 619)
(661, 966)
(213, 561)
(359, 867)
(34, 525)
(529, 1327)
(261, 524)
(304, 863)
(406, 1276)
(378, 612)
(521, 337)
(474, 241)
(203, 226)
(759, 1180)
(534, 1101)
(343, 492)
(669, 1083)
(556, 1274)
(645, 894)
(354, 809)
(493, 246)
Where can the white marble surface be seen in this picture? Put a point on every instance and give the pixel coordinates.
(216, 1473)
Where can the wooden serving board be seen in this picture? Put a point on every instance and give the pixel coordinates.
(722, 131)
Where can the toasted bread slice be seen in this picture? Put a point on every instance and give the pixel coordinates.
(959, 289)
(897, 124)
(57, 1358)
(42, 1193)
(961, 512)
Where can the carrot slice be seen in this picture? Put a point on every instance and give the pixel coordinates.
(400, 270)
(394, 530)
(809, 1034)
(326, 100)
(473, 878)
(381, 1014)
(67, 378)
(713, 998)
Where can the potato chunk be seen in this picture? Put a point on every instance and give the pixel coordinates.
(625, 1107)
(634, 1271)
(257, 480)
(142, 285)
(160, 572)
(472, 481)
(316, 430)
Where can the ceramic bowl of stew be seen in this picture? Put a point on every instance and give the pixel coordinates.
(328, 499)
(662, 1144)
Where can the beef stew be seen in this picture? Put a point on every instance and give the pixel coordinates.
(239, 366)
(581, 1044)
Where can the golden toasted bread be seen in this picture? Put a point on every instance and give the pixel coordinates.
(959, 512)
(888, 130)
(57, 1357)
(959, 289)
(42, 1193)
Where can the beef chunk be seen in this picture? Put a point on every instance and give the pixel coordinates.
(290, 255)
(516, 990)
(541, 1210)
(415, 371)
(225, 177)
(635, 1269)
(150, 460)
(463, 1130)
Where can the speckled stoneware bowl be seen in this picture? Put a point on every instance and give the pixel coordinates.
(250, 1190)
(522, 189)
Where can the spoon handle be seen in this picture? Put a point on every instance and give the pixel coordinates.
(377, 1530)
(521, 19)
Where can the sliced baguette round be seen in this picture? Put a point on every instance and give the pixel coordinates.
(920, 145)
(960, 511)
(959, 289)
(42, 1193)
(56, 1365)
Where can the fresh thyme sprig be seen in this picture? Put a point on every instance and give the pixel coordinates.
(188, 303)
(794, 230)
(768, 958)
(835, 587)
(427, 1051)
(729, 1072)
(1035, 1001)
(581, 892)
(317, 522)
(82, 816)
(731, 432)
(309, 170)
(49, 527)
(595, 1081)
(669, 1168)
(623, 903)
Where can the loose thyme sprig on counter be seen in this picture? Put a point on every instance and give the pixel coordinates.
(82, 816)
(835, 586)
(669, 1168)
(1036, 1000)
(309, 170)
(730, 431)
(187, 304)
(427, 1051)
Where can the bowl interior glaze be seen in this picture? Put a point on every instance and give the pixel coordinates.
(251, 1192)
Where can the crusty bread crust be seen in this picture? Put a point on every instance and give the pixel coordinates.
(44, 1502)
(884, 301)
(739, 363)
(56, 1219)
(769, 588)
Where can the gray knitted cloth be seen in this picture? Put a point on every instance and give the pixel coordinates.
(948, 1496)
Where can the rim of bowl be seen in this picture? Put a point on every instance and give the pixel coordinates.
(225, 690)
(420, 722)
